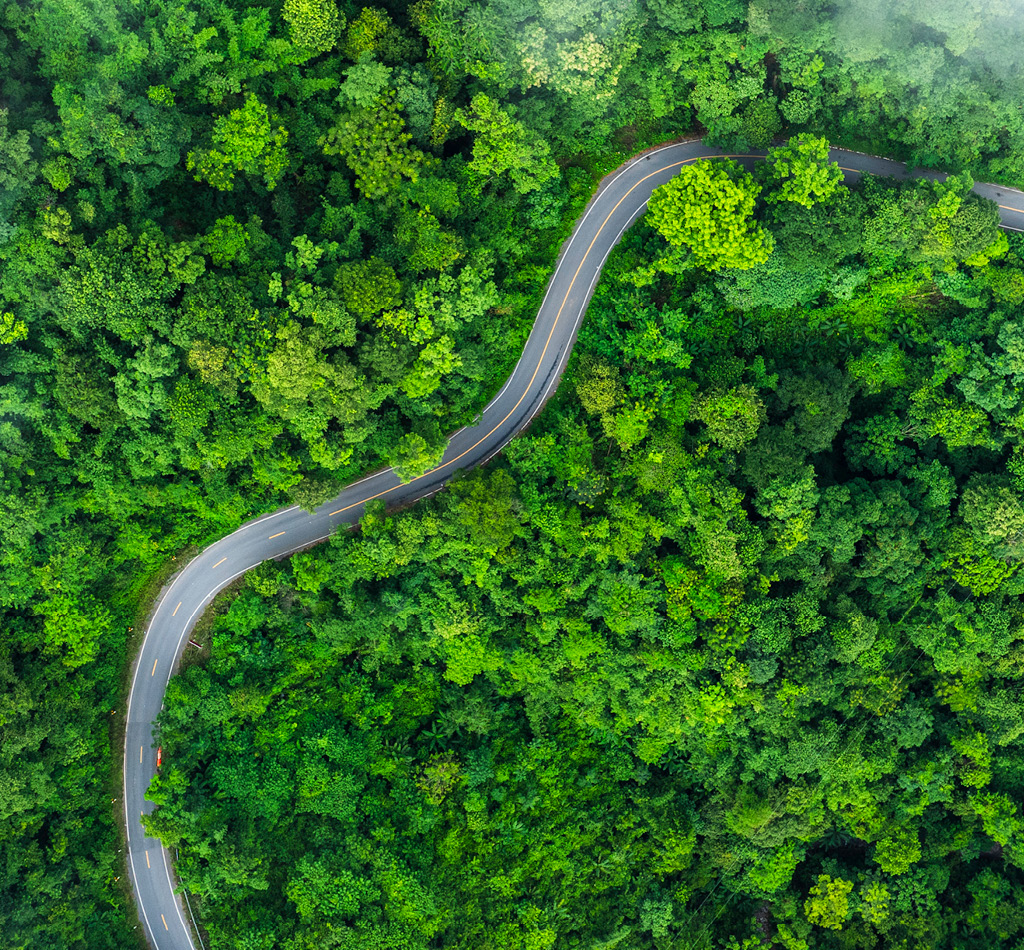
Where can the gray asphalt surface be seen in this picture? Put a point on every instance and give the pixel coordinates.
(620, 200)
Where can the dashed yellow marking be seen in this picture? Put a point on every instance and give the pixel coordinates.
(176, 609)
(279, 533)
(147, 860)
(221, 561)
(140, 754)
(154, 666)
(165, 922)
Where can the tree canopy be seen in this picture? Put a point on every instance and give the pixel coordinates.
(728, 643)
(707, 210)
(724, 651)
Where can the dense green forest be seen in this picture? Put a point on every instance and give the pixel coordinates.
(725, 653)
(727, 649)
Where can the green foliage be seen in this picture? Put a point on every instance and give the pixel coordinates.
(11, 329)
(994, 515)
(226, 241)
(17, 169)
(744, 598)
(369, 286)
(706, 209)
(244, 140)
(314, 25)
(503, 145)
(413, 455)
(374, 144)
(732, 417)
(365, 32)
(829, 904)
(740, 612)
(800, 171)
(760, 121)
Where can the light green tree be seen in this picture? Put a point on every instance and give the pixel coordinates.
(597, 385)
(436, 358)
(365, 82)
(829, 902)
(244, 140)
(962, 225)
(800, 171)
(438, 776)
(369, 286)
(874, 904)
(761, 121)
(898, 851)
(413, 456)
(366, 32)
(429, 246)
(732, 417)
(995, 516)
(12, 329)
(314, 25)
(374, 144)
(707, 208)
(225, 241)
(17, 170)
(503, 145)
(999, 816)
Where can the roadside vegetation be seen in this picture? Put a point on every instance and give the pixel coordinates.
(725, 649)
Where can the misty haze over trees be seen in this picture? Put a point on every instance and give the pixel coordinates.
(726, 652)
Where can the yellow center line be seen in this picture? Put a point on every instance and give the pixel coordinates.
(140, 755)
(165, 922)
(221, 561)
(176, 609)
(279, 533)
(147, 860)
(154, 667)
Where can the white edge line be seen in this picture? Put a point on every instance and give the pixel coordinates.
(367, 478)
(563, 359)
(149, 926)
(205, 602)
(181, 574)
(208, 598)
(597, 274)
(261, 518)
(135, 677)
(177, 900)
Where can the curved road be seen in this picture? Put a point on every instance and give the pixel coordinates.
(620, 200)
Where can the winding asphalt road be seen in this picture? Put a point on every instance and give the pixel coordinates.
(620, 200)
